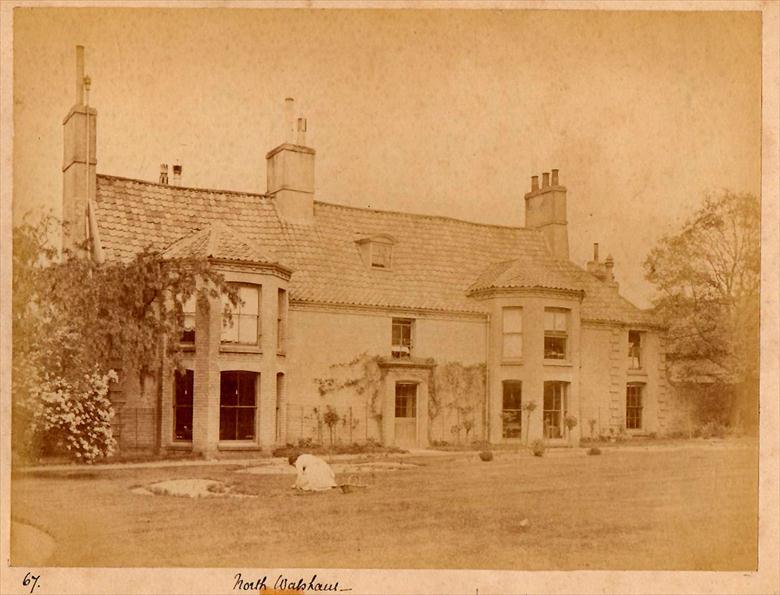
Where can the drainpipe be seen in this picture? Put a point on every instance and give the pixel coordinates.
(86, 83)
(486, 408)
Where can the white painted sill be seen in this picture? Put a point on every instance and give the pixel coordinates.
(561, 363)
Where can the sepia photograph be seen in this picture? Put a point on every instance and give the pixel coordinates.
(306, 294)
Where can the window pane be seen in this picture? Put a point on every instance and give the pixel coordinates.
(227, 423)
(246, 424)
(513, 320)
(554, 406)
(380, 255)
(183, 423)
(183, 382)
(228, 389)
(246, 388)
(556, 320)
(247, 329)
(405, 400)
(230, 329)
(250, 298)
(512, 396)
(513, 346)
(555, 348)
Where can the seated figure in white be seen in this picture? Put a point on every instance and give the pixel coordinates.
(314, 474)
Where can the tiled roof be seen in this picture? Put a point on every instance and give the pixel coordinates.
(435, 261)
(218, 241)
(542, 271)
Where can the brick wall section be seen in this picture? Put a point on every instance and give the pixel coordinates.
(616, 379)
(664, 406)
(205, 407)
(281, 409)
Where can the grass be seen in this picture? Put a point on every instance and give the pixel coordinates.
(686, 509)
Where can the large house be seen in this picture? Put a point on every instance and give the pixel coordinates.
(330, 292)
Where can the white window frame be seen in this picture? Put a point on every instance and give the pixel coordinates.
(507, 334)
(237, 315)
(401, 351)
(640, 390)
(557, 333)
(281, 320)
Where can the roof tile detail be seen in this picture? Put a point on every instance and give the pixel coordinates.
(436, 261)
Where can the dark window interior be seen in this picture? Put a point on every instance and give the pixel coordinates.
(183, 384)
(237, 405)
(512, 412)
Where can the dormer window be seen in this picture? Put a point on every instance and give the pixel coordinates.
(377, 251)
(380, 255)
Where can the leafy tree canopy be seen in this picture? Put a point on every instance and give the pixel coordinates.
(73, 316)
(708, 281)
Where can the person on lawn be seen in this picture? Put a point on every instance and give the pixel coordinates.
(314, 474)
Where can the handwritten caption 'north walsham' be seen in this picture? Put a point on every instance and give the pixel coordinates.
(286, 584)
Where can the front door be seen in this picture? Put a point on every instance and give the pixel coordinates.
(406, 415)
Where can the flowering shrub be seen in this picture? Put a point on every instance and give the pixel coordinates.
(76, 418)
(537, 447)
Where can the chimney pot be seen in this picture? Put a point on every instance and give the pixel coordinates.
(595, 252)
(554, 181)
(301, 138)
(163, 173)
(534, 183)
(177, 175)
(609, 264)
(546, 179)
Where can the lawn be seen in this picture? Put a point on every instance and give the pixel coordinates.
(692, 508)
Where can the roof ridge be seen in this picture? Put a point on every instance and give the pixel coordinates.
(423, 216)
(197, 188)
(322, 203)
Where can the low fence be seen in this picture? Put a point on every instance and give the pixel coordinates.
(347, 424)
(134, 427)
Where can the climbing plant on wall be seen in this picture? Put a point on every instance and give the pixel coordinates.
(363, 375)
(459, 388)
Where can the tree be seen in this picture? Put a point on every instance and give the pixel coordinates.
(74, 318)
(708, 281)
(331, 418)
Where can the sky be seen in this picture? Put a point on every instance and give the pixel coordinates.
(444, 112)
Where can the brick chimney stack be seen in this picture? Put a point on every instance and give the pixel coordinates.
(79, 161)
(545, 210)
(290, 171)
